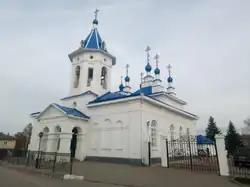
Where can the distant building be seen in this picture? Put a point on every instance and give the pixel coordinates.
(6, 143)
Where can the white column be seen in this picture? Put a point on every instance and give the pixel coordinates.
(222, 155)
(65, 140)
(163, 149)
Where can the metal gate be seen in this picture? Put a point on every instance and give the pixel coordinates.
(187, 154)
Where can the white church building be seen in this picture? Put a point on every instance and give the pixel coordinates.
(111, 126)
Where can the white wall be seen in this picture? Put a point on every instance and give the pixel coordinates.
(53, 118)
(134, 117)
(106, 123)
(164, 120)
(169, 101)
(99, 60)
(115, 130)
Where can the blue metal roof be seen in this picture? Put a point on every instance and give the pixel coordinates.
(82, 94)
(145, 90)
(71, 111)
(93, 40)
(109, 96)
(119, 95)
(35, 113)
(203, 140)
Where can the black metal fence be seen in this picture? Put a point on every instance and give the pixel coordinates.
(187, 154)
(238, 168)
(54, 161)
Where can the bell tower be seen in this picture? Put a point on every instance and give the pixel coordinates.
(91, 64)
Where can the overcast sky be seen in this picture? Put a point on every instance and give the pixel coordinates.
(207, 42)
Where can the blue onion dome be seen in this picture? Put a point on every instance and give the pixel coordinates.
(148, 67)
(121, 87)
(127, 79)
(170, 79)
(157, 71)
(95, 21)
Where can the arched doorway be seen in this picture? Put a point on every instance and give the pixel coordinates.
(76, 142)
(104, 73)
(56, 139)
(44, 141)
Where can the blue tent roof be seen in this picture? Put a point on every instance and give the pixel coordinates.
(203, 140)
(71, 111)
(93, 40)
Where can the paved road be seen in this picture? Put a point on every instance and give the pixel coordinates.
(13, 178)
(110, 174)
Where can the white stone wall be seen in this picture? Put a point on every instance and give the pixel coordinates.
(115, 130)
(116, 126)
(165, 119)
(169, 101)
(99, 60)
(53, 118)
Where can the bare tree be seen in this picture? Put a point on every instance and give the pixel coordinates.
(247, 122)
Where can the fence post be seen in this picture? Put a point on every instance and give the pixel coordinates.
(28, 158)
(71, 164)
(167, 153)
(222, 155)
(17, 158)
(164, 159)
(190, 154)
(149, 153)
(54, 161)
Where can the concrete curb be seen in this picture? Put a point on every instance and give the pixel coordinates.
(72, 177)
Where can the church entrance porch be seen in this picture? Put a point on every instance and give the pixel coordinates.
(187, 154)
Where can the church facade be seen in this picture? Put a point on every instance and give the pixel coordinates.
(111, 126)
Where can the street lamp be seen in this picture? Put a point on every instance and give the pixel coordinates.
(38, 155)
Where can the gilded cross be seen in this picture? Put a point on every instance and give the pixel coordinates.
(147, 51)
(169, 69)
(96, 11)
(127, 66)
(157, 59)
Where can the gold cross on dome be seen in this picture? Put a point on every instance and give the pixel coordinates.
(157, 59)
(169, 67)
(127, 66)
(96, 11)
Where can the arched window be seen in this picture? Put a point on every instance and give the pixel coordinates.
(118, 135)
(57, 138)
(44, 140)
(180, 132)
(172, 132)
(74, 104)
(77, 76)
(90, 76)
(104, 77)
(106, 134)
(153, 133)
